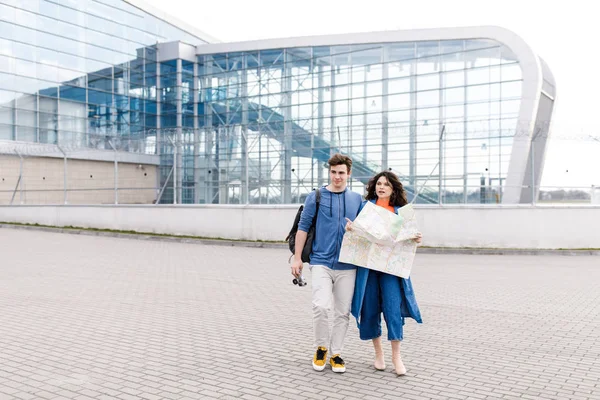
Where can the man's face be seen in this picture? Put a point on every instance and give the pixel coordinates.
(339, 175)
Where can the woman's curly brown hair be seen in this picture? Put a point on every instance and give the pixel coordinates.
(398, 196)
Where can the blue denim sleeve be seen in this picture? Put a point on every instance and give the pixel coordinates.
(310, 206)
(362, 205)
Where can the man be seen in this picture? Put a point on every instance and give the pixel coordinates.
(332, 281)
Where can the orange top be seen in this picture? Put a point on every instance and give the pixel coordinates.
(385, 204)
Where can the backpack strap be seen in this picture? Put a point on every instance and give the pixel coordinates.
(318, 201)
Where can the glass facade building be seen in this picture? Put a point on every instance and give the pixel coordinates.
(452, 112)
(79, 73)
(384, 104)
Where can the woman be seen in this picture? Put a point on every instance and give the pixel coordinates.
(376, 292)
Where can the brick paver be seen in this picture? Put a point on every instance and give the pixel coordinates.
(86, 317)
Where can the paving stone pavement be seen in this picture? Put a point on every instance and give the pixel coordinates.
(85, 317)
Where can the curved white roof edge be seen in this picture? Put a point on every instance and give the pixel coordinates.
(530, 64)
(408, 35)
(176, 22)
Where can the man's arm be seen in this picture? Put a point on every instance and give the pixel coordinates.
(297, 264)
(310, 207)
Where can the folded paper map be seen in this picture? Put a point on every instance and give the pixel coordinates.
(381, 240)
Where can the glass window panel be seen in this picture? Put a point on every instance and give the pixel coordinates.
(427, 82)
(99, 97)
(80, 81)
(18, 83)
(428, 98)
(70, 30)
(399, 52)
(7, 30)
(358, 74)
(366, 54)
(48, 8)
(511, 72)
(511, 90)
(71, 62)
(47, 104)
(25, 68)
(454, 112)
(341, 107)
(72, 93)
(341, 56)
(478, 75)
(477, 110)
(7, 114)
(510, 107)
(399, 116)
(427, 49)
(451, 50)
(67, 75)
(95, 65)
(72, 124)
(341, 92)
(65, 45)
(6, 49)
(495, 91)
(454, 96)
(453, 79)
(27, 52)
(358, 90)
(6, 131)
(358, 104)
(68, 14)
(27, 102)
(374, 72)
(8, 13)
(168, 121)
(508, 127)
(6, 96)
(427, 57)
(27, 133)
(399, 85)
(399, 101)
(150, 107)
(474, 44)
(8, 65)
(478, 93)
(100, 82)
(495, 109)
(374, 89)
(150, 120)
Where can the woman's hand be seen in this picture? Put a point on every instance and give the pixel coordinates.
(419, 238)
(348, 225)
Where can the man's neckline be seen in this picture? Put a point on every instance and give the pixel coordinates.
(331, 191)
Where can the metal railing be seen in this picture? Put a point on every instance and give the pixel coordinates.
(191, 167)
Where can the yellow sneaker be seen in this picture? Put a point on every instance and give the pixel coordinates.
(320, 358)
(337, 364)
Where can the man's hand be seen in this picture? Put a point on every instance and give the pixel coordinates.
(419, 238)
(348, 225)
(297, 266)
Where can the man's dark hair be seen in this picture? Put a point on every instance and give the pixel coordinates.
(340, 159)
(398, 197)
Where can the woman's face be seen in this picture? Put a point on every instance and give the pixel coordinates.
(383, 188)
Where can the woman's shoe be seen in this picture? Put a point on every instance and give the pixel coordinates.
(379, 363)
(400, 369)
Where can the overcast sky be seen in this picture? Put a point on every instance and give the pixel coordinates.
(563, 33)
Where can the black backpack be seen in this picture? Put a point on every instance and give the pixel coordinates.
(291, 237)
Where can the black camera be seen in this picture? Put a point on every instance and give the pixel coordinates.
(300, 281)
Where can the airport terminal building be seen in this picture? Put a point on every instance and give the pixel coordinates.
(97, 94)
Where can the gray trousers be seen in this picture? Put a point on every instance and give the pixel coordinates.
(331, 287)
